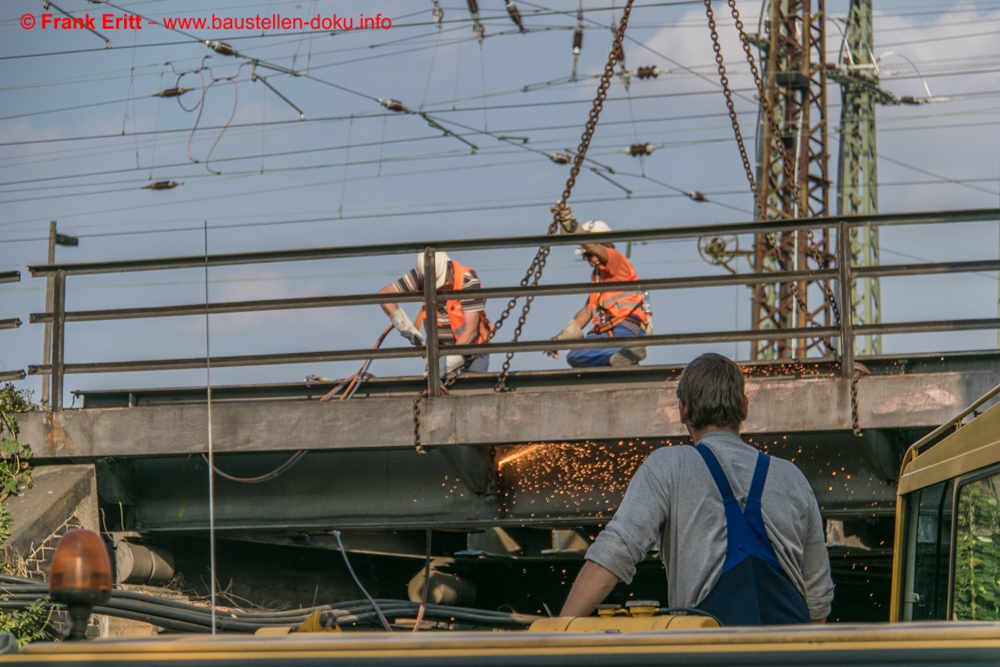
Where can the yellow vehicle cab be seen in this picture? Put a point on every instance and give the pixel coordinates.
(946, 559)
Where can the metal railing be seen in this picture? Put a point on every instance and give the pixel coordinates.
(843, 274)
(10, 323)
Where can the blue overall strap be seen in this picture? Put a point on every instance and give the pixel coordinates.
(745, 531)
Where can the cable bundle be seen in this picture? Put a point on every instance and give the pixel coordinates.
(184, 617)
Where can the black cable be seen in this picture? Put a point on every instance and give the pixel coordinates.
(336, 534)
(277, 472)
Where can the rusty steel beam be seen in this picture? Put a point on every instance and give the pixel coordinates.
(783, 404)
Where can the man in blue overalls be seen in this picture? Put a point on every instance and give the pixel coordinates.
(739, 532)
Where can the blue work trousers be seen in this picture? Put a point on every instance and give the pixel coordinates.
(599, 356)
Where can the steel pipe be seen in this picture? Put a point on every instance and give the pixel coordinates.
(691, 232)
(401, 353)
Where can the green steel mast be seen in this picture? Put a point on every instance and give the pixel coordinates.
(857, 193)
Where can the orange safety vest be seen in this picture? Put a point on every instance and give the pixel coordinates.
(456, 314)
(612, 308)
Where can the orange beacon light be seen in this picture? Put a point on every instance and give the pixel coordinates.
(80, 577)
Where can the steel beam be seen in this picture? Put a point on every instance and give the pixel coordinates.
(777, 405)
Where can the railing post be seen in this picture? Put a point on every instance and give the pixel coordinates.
(430, 322)
(844, 294)
(58, 338)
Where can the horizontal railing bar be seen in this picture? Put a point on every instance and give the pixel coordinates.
(652, 341)
(525, 346)
(409, 352)
(12, 323)
(510, 242)
(888, 270)
(10, 276)
(415, 297)
(10, 376)
(927, 326)
(506, 292)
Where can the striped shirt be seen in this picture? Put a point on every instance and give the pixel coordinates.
(411, 282)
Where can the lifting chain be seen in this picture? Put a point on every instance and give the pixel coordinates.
(534, 273)
(859, 370)
(717, 47)
(787, 163)
(421, 449)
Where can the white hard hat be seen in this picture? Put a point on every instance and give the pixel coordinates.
(441, 260)
(592, 226)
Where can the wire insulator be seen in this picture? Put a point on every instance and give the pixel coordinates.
(559, 158)
(437, 14)
(577, 41)
(172, 92)
(473, 7)
(647, 72)
(393, 105)
(162, 185)
(640, 149)
(221, 47)
(696, 196)
(515, 15)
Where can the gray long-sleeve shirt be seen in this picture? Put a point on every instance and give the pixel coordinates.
(673, 505)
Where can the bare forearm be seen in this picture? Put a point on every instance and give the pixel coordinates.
(388, 308)
(582, 317)
(590, 588)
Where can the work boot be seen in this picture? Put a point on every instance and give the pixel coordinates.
(628, 356)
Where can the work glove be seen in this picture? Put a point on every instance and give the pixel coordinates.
(570, 332)
(405, 327)
(450, 363)
(564, 214)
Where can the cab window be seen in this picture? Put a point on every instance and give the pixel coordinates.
(976, 592)
(933, 548)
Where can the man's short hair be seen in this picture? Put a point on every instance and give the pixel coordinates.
(711, 388)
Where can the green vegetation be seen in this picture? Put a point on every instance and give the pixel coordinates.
(14, 463)
(26, 624)
(977, 558)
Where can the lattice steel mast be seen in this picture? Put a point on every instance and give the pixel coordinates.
(857, 193)
(793, 50)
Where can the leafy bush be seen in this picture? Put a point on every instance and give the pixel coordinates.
(26, 624)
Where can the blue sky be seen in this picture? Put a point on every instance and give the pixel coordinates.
(80, 135)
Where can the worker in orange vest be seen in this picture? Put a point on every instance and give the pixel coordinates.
(459, 321)
(614, 313)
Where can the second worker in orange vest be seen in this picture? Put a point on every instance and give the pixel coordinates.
(460, 321)
(614, 313)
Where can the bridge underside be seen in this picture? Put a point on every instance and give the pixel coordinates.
(558, 450)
